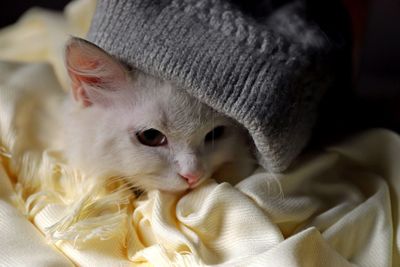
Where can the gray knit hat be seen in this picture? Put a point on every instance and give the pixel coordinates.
(267, 73)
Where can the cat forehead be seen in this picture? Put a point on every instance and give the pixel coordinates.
(170, 108)
(180, 112)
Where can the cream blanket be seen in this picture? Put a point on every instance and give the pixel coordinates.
(337, 208)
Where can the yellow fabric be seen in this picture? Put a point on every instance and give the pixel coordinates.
(337, 208)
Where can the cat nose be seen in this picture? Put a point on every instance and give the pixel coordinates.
(192, 177)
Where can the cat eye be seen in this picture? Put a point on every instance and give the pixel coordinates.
(215, 133)
(151, 137)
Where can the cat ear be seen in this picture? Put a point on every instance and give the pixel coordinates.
(95, 75)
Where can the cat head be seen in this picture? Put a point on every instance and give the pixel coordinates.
(125, 123)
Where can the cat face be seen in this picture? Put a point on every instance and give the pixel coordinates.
(129, 124)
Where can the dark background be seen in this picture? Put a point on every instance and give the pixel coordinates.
(372, 100)
(10, 11)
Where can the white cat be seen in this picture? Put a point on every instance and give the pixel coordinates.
(129, 124)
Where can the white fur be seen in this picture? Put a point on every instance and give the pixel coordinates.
(100, 139)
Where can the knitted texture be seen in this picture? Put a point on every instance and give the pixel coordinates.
(267, 73)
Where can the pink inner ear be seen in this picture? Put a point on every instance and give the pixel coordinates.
(91, 67)
(78, 80)
(80, 95)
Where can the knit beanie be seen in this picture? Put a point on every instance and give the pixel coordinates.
(267, 72)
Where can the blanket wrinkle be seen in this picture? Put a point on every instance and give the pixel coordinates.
(338, 207)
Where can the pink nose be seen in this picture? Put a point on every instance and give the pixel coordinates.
(191, 178)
